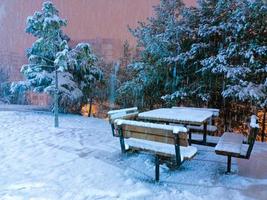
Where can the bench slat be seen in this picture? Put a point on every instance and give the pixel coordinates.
(151, 131)
(164, 138)
(125, 110)
(123, 116)
(148, 130)
(154, 131)
(150, 127)
(230, 144)
(160, 148)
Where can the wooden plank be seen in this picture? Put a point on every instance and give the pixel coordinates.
(148, 130)
(147, 127)
(126, 110)
(169, 139)
(230, 144)
(125, 116)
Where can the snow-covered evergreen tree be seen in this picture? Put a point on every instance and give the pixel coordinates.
(83, 65)
(46, 25)
(153, 74)
(235, 33)
(203, 54)
(76, 68)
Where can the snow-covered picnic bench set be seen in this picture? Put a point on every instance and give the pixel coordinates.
(168, 134)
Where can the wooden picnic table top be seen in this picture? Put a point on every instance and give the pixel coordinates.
(183, 115)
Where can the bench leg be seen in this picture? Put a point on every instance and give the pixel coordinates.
(229, 164)
(112, 128)
(122, 145)
(177, 151)
(190, 138)
(205, 133)
(122, 141)
(156, 168)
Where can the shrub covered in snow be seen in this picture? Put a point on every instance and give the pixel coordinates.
(4, 87)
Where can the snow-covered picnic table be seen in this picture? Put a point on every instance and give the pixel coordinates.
(182, 115)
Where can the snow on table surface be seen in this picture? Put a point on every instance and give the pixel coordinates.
(215, 111)
(81, 160)
(184, 115)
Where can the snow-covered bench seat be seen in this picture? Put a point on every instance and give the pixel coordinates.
(168, 143)
(126, 113)
(235, 145)
(162, 149)
(124, 110)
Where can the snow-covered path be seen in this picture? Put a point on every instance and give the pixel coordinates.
(81, 160)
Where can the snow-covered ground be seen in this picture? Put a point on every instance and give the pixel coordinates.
(81, 160)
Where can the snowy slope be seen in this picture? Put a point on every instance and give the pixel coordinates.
(81, 160)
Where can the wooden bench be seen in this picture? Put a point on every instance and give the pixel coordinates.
(126, 113)
(235, 145)
(167, 143)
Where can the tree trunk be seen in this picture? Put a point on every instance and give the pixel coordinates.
(90, 106)
(263, 125)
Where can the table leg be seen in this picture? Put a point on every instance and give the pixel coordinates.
(157, 168)
(228, 164)
(205, 133)
(190, 137)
